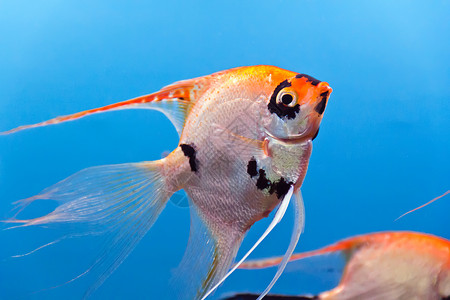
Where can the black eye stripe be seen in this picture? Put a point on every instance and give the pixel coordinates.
(280, 109)
(281, 86)
(308, 78)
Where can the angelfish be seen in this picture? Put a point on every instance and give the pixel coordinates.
(245, 141)
(388, 265)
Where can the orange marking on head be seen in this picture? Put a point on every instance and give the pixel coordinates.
(307, 92)
(324, 87)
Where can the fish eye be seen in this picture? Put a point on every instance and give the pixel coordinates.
(287, 98)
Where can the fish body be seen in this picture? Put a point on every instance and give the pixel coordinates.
(245, 141)
(387, 265)
(238, 135)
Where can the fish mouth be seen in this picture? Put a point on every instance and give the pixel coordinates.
(293, 139)
(309, 133)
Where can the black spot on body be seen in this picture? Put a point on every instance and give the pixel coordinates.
(308, 78)
(252, 167)
(280, 187)
(190, 152)
(262, 182)
(279, 108)
(320, 107)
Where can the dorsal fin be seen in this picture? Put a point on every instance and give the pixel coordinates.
(346, 246)
(423, 205)
(175, 101)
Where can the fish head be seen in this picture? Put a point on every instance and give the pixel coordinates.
(292, 116)
(296, 108)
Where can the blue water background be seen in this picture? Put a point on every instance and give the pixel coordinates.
(383, 146)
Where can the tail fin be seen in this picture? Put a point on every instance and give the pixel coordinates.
(122, 201)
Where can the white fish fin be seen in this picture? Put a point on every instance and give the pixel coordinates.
(175, 101)
(299, 225)
(207, 258)
(175, 110)
(119, 201)
(277, 218)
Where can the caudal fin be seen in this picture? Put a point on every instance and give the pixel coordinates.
(119, 201)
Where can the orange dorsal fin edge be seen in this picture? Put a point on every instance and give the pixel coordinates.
(423, 205)
(184, 92)
(274, 261)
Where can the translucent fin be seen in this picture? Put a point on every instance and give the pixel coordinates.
(207, 257)
(175, 110)
(120, 201)
(423, 205)
(175, 101)
(39, 248)
(299, 224)
(277, 218)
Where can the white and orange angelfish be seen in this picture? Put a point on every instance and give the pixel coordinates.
(245, 141)
(397, 265)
